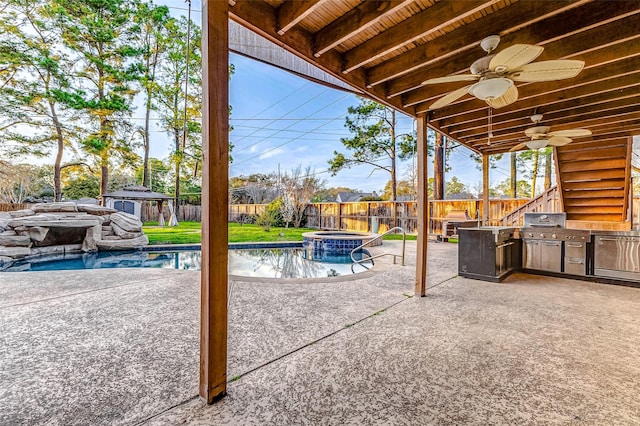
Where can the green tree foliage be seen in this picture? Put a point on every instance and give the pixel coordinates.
(84, 186)
(375, 141)
(403, 187)
(152, 42)
(101, 35)
(33, 78)
(454, 186)
(504, 188)
(272, 215)
(159, 175)
(171, 98)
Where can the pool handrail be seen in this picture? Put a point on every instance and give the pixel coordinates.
(392, 230)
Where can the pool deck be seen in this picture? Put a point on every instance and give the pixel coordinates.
(120, 347)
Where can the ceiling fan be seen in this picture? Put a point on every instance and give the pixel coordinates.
(495, 74)
(541, 136)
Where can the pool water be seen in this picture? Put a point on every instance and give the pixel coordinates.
(268, 263)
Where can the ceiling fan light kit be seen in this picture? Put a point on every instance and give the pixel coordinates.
(542, 136)
(490, 88)
(537, 143)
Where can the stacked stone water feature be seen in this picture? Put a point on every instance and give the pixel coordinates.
(61, 228)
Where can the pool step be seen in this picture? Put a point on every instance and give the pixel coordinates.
(107, 231)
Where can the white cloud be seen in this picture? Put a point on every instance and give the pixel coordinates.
(271, 153)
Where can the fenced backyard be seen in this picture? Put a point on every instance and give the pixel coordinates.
(375, 216)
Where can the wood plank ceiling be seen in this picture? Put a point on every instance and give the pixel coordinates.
(388, 49)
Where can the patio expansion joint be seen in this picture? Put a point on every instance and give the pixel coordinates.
(306, 345)
(80, 292)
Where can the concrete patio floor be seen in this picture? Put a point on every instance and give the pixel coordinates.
(113, 347)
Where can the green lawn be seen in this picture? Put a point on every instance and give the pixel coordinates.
(189, 233)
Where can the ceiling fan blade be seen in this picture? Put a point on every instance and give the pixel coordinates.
(509, 97)
(558, 140)
(452, 79)
(537, 130)
(572, 133)
(518, 147)
(548, 70)
(514, 57)
(450, 97)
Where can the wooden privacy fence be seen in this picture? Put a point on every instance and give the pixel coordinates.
(380, 216)
(10, 207)
(192, 213)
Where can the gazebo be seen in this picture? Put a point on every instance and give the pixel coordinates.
(128, 200)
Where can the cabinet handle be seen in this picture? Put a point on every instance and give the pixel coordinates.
(505, 244)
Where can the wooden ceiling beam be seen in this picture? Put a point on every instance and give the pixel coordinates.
(501, 148)
(548, 120)
(292, 12)
(551, 32)
(610, 39)
(603, 91)
(629, 112)
(430, 20)
(467, 37)
(615, 120)
(353, 22)
(597, 126)
(528, 92)
(260, 18)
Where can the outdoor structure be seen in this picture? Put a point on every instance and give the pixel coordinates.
(65, 228)
(388, 49)
(129, 201)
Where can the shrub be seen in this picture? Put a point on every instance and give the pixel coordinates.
(272, 215)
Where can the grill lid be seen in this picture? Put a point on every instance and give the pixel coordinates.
(545, 220)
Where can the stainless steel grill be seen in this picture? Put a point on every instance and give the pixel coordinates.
(549, 246)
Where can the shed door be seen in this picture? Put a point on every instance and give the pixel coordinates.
(125, 206)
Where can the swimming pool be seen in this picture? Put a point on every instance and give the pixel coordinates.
(264, 262)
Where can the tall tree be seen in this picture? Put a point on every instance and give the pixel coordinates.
(514, 174)
(375, 141)
(33, 79)
(299, 188)
(101, 34)
(152, 41)
(173, 103)
(547, 168)
(403, 187)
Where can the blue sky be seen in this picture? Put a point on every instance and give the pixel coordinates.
(283, 120)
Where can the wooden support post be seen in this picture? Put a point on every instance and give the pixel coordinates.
(485, 190)
(423, 205)
(215, 199)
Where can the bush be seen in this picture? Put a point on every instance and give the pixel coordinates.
(272, 215)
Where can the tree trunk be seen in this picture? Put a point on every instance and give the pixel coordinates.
(104, 176)
(547, 170)
(146, 181)
(438, 168)
(145, 165)
(394, 182)
(514, 176)
(178, 158)
(57, 186)
(534, 178)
